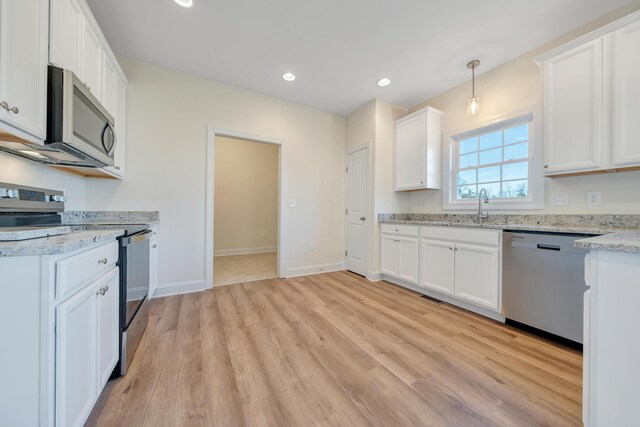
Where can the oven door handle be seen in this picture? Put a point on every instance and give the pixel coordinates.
(137, 238)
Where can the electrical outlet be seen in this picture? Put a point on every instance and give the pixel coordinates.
(312, 246)
(292, 203)
(594, 198)
(559, 199)
(425, 204)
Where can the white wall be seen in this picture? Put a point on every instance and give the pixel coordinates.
(246, 196)
(374, 123)
(514, 87)
(16, 170)
(167, 117)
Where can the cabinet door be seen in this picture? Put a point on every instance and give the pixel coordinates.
(108, 325)
(626, 97)
(92, 61)
(67, 27)
(153, 266)
(75, 358)
(408, 256)
(389, 255)
(108, 84)
(586, 358)
(23, 64)
(477, 275)
(120, 117)
(573, 110)
(437, 266)
(410, 155)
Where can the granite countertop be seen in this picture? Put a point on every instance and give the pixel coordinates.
(23, 233)
(58, 244)
(150, 218)
(614, 232)
(615, 242)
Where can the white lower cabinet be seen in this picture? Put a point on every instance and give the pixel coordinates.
(399, 257)
(437, 266)
(463, 264)
(86, 348)
(477, 275)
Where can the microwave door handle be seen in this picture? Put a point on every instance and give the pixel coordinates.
(109, 127)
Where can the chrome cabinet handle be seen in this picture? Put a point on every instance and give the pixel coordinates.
(154, 246)
(362, 218)
(102, 261)
(117, 168)
(14, 110)
(102, 291)
(4, 105)
(546, 166)
(106, 288)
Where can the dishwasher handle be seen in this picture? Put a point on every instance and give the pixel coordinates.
(548, 247)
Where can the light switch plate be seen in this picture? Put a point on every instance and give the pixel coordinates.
(292, 203)
(594, 198)
(559, 199)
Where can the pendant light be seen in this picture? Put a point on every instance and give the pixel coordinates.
(473, 107)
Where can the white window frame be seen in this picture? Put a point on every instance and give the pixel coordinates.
(535, 198)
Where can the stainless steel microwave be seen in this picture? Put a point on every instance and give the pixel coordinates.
(77, 123)
(80, 131)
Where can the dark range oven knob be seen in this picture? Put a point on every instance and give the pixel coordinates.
(57, 198)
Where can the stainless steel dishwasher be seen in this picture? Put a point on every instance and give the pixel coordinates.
(543, 283)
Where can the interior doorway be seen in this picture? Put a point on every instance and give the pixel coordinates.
(357, 210)
(246, 210)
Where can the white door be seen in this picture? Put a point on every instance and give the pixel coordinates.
(477, 275)
(75, 358)
(410, 157)
(389, 255)
(408, 256)
(67, 27)
(108, 325)
(357, 174)
(437, 266)
(92, 61)
(23, 64)
(573, 110)
(626, 94)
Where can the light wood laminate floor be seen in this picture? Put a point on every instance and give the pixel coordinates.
(336, 350)
(228, 270)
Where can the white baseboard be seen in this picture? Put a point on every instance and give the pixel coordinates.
(245, 251)
(453, 301)
(374, 276)
(313, 269)
(179, 288)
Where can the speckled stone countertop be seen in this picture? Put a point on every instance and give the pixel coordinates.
(110, 217)
(58, 244)
(24, 233)
(614, 232)
(614, 242)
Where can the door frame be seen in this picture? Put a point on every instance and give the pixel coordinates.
(366, 146)
(212, 133)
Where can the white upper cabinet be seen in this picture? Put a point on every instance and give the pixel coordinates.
(92, 61)
(573, 110)
(23, 66)
(592, 101)
(418, 150)
(109, 75)
(626, 96)
(67, 29)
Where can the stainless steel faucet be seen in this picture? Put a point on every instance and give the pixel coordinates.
(482, 196)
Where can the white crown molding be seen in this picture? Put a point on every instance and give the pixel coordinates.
(600, 32)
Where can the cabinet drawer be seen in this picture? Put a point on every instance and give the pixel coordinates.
(401, 230)
(75, 272)
(466, 235)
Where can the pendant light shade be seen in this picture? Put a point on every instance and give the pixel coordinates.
(473, 107)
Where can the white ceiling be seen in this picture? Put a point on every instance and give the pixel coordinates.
(339, 49)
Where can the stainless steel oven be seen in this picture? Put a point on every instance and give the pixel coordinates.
(134, 292)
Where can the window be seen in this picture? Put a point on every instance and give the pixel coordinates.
(498, 158)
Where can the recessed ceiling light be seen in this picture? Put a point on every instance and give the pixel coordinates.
(384, 82)
(184, 3)
(289, 77)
